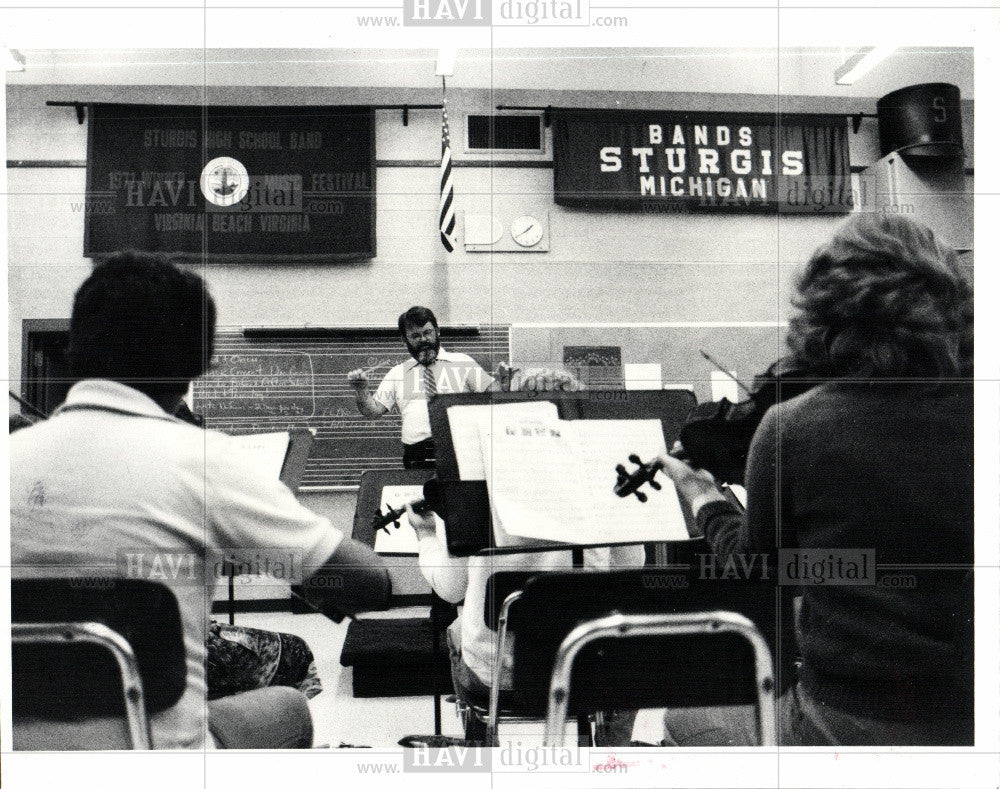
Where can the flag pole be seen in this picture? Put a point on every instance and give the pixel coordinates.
(446, 208)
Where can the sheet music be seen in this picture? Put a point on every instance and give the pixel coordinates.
(468, 422)
(554, 480)
(404, 539)
(266, 450)
(532, 480)
(600, 445)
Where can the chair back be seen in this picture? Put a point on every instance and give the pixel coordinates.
(498, 586)
(78, 679)
(680, 671)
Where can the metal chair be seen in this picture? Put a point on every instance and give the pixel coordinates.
(498, 620)
(502, 591)
(619, 626)
(656, 637)
(68, 633)
(92, 659)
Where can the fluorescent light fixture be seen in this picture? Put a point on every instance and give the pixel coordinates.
(12, 60)
(446, 61)
(860, 63)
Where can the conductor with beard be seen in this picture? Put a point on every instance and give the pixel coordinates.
(407, 387)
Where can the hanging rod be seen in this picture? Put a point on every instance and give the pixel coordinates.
(854, 116)
(81, 108)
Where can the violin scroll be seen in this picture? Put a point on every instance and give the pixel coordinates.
(382, 520)
(630, 483)
(429, 503)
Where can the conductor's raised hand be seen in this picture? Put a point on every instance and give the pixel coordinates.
(358, 379)
(503, 377)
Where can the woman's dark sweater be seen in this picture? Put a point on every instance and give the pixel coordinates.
(870, 467)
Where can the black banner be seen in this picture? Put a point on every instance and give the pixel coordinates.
(665, 162)
(231, 182)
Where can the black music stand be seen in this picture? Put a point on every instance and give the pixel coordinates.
(465, 506)
(369, 501)
(370, 496)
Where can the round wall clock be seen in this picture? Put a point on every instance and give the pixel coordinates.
(526, 230)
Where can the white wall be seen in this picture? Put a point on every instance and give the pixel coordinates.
(601, 267)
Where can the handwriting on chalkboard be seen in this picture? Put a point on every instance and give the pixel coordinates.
(373, 363)
(260, 385)
(340, 411)
(273, 384)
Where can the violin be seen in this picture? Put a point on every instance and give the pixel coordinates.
(429, 502)
(716, 436)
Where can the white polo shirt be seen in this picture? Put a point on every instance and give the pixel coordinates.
(403, 389)
(112, 475)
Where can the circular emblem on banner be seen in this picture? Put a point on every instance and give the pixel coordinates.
(224, 181)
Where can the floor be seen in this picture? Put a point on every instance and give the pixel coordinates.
(340, 720)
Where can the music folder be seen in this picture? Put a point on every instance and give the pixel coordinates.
(466, 503)
(300, 441)
(552, 479)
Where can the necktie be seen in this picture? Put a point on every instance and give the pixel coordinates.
(430, 385)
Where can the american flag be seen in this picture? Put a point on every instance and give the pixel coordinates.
(446, 206)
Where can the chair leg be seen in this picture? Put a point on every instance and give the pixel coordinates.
(493, 714)
(232, 594)
(435, 655)
(475, 729)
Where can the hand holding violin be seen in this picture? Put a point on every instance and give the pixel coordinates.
(691, 482)
(717, 435)
(423, 524)
(695, 486)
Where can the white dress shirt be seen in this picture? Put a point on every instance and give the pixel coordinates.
(403, 389)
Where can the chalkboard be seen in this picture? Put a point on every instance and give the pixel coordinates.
(278, 379)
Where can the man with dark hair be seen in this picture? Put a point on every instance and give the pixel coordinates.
(112, 474)
(407, 386)
(143, 323)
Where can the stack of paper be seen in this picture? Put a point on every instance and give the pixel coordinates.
(472, 425)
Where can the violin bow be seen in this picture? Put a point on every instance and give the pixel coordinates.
(724, 371)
